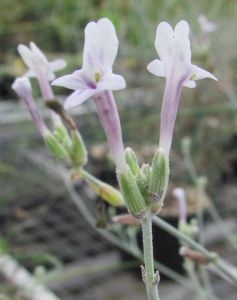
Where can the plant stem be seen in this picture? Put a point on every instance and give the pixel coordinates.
(189, 266)
(219, 263)
(149, 277)
(211, 207)
(112, 238)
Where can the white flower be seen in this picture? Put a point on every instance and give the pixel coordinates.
(100, 50)
(174, 50)
(38, 64)
(22, 87)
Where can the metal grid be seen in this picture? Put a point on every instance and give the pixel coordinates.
(38, 216)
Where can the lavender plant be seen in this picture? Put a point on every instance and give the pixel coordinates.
(143, 188)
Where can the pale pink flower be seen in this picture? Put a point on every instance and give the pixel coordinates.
(173, 47)
(96, 80)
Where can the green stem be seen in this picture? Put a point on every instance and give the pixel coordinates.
(219, 263)
(149, 277)
(211, 207)
(112, 238)
(189, 266)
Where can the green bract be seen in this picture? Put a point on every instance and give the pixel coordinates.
(79, 153)
(55, 147)
(131, 160)
(132, 195)
(159, 177)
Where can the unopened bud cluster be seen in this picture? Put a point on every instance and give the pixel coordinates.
(144, 188)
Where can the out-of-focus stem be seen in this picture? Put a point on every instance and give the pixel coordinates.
(219, 263)
(189, 266)
(47, 93)
(211, 207)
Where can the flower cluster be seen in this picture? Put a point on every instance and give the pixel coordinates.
(143, 188)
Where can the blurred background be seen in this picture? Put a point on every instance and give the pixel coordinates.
(40, 225)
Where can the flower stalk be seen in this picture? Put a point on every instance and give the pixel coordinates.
(150, 279)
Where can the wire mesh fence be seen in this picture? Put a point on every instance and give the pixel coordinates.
(42, 227)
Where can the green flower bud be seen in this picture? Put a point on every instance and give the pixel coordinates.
(67, 144)
(142, 182)
(131, 160)
(191, 229)
(79, 153)
(55, 147)
(61, 131)
(159, 177)
(134, 201)
(146, 170)
(104, 190)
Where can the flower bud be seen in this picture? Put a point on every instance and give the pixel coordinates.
(159, 177)
(134, 201)
(56, 148)
(22, 87)
(179, 194)
(131, 160)
(104, 190)
(142, 182)
(146, 170)
(79, 152)
(190, 229)
(61, 131)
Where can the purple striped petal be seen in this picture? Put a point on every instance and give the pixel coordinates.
(182, 43)
(90, 60)
(78, 97)
(111, 82)
(107, 43)
(73, 81)
(164, 41)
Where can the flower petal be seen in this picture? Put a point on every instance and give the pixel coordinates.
(190, 84)
(90, 61)
(78, 97)
(157, 68)
(111, 82)
(50, 76)
(182, 43)
(73, 81)
(26, 55)
(107, 43)
(38, 54)
(164, 41)
(29, 73)
(57, 65)
(200, 73)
